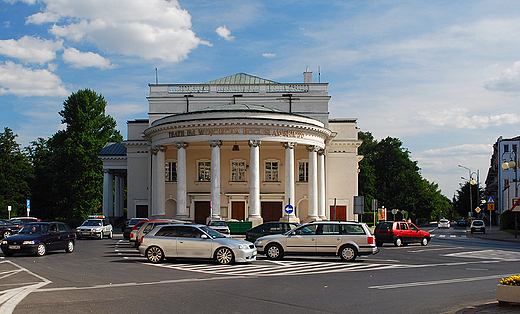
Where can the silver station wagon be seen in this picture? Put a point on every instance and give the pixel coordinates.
(194, 241)
(346, 239)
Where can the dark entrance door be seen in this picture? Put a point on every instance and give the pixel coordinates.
(341, 213)
(141, 211)
(238, 210)
(271, 211)
(201, 211)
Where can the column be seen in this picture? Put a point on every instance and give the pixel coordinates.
(322, 201)
(254, 185)
(290, 198)
(160, 178)
(117, 204)
(153, 182)
(215, 179)
(122, 195)
(181, 180)
(108, 197)
(313, 184)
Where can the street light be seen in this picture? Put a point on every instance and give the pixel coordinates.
(471, 182)
(506, 165)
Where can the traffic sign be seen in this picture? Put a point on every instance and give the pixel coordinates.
(491, 200)
(491, 206)
(478, 209)
(289, 209)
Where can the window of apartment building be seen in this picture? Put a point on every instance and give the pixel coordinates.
(171, 171)
(303, 171)
(204, 170)
(272, 170)
(506, 148)
(238, 170)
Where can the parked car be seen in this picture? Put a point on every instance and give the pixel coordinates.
(7, 228)
(95, 227)
(399, 233)
(346, 239)
(21, 221)
(194, 241)
(148, 226)
(273, 227)
(39, 238)
(129, 225)
(219, 225)
(443, 223)
(461, 223)
(478, 226)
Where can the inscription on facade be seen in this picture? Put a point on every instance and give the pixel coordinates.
(237, 131)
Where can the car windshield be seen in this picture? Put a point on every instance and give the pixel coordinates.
(444, 220)
(385, 225)
(212, 233)
(35, 228)
(92, 223)
(134, 221)
(478, 223)
(218, 223)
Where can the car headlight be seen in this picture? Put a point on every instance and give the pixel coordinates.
(4, 242)
(78, 230)
(28, 242)
(243, 246)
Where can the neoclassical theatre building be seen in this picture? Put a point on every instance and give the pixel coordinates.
(240, 147)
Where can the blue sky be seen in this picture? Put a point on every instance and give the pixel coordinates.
(442, 76)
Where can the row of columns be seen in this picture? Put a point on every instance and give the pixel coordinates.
(113, 208)
(316, 178)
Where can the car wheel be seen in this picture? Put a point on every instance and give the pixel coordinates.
(348, 253)
(41, 250)
(424, 241)
(398, 242)
(6, 233)
(70, 247)
(224, 256)
(274, 251)
(484, 231)
(471, 231)
(111, 234)
(154, 254)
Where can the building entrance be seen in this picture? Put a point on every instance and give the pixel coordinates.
(238, 211)
(271, 211)
(201, 211)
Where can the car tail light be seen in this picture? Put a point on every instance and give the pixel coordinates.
(131, 235)
(141, 240)
(370, 240)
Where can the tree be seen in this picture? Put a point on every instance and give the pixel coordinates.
(15, 175)
(69, 159)
(461, 201)
(389, 175)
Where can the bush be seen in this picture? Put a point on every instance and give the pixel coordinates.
(507, 220)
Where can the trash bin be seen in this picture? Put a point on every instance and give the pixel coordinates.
(239, 227)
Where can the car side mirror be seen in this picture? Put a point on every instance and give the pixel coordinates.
(204, 236)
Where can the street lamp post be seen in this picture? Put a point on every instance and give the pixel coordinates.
(471, 182)
(507, 165)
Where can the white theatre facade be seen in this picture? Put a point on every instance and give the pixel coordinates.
(240, 148)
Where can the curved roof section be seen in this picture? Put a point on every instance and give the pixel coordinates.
(241, 78)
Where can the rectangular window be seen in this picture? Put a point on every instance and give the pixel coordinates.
(506, 148)
(171, 171)
(204, 171)
(303, 171)
(238, 171)
(514, 150)
(271, 171)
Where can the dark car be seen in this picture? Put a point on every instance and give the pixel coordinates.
(7, 228)
(129, 225)
(39, 238)
(461, 223)
(21, 221)
(399, 233)
(273, 227)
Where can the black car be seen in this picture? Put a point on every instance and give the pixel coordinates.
(7, 228)
(39, 238)
(129, 224)
(273, 227)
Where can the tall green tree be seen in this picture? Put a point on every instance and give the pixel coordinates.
(462, 204)
(69, 159)
(15, 175)
(389, 175)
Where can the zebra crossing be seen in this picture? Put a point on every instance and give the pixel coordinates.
(277, 268)
(433, 235)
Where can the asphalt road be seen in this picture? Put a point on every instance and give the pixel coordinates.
(449, 274)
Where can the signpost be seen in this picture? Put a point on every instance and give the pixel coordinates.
(9, 211)
(28, 208)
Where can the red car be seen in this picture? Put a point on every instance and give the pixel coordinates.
(400, 233)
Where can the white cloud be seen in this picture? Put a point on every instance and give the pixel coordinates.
(82, 60)
(508, 81)
(458, 118)
(150, 29)
(225, 33)
(18, 80)
(269, 55)
(30, 49)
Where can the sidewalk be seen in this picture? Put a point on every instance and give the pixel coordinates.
(493, 308)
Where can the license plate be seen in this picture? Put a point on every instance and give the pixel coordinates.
(14, 247)
(382, 233)
(85, 233)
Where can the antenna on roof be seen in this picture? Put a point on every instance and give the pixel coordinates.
(319, 74)
(156, 77)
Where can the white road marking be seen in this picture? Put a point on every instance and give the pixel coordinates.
(438, 282)
(489, 255)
